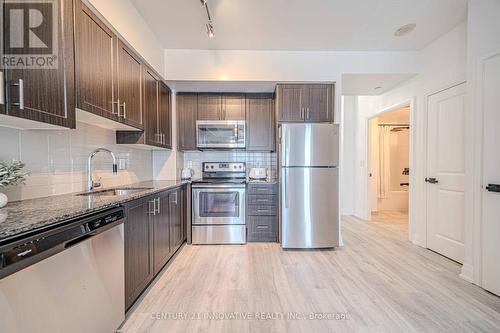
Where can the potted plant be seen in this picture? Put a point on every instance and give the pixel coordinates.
(11, 174)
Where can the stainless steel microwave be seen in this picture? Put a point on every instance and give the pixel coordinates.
(217, 134)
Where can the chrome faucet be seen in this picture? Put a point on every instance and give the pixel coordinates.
(91, 184)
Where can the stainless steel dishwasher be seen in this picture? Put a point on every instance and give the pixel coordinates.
(67, 279)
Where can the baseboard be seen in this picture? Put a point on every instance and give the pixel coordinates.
(467, 273)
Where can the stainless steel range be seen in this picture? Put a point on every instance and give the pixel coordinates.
(219, 204)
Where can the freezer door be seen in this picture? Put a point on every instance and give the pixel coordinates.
(309, 145)
(309, 202)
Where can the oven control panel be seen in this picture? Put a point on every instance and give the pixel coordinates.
(237, 167)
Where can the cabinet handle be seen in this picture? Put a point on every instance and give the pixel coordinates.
(175, 201)
(124, 105)
(152, 212)
(308, 113)
(2, 89)
(262, 200)
(158, 209)
(263, 210)
(302, 113)
(20, 85)
(262, 226)
(117, 103)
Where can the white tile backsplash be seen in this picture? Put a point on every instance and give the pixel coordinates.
(252, 159)
(57, 160)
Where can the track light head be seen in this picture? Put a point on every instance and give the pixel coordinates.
(203, 2)
(210, 30)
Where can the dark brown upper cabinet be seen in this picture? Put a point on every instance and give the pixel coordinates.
(187, 111)
(260, 122)
(43, 95)
(151, 82)
(305, 102)
(209, 107)
(221, 107)
(108, 73)
(95, 60)
(233, 107)
(129, 102)
(157, 115)
(165, 115)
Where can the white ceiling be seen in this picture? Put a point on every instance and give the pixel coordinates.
(340, 25)
(366, 84)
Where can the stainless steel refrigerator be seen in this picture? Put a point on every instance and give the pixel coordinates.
(309, 155)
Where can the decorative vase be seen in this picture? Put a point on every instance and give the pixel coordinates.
(3, 200)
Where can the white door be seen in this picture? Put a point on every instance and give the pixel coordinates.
(491, 175)
(446, 173)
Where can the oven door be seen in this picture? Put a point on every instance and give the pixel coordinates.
(221, 204)
(220, 134)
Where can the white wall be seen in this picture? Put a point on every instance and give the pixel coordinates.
(443, 64)
(127, 21)
(484, 39)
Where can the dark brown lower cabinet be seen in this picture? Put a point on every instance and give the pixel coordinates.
(262, 212)
(161, 231)
(175, 210)
(153, 233)
(138, 245)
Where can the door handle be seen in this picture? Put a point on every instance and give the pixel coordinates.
(431, 180)
(493, 188)
(2, 89)
(20, 85)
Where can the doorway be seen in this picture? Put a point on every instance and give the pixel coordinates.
(389, 155)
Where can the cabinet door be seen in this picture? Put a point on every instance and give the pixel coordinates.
(209, 107)
(233, 107)
(290, 103)
(138, 246)
(129, 86)
(3, 99)
(95, 65)
(42, 94)
(161, 231)
(165, 115)
(187, 110)
(175, 200)
(318, 102)
(151, 108)
(260, 124)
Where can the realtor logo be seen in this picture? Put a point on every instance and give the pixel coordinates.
(31, 34)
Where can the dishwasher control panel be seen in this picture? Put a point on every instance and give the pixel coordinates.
(23, 253)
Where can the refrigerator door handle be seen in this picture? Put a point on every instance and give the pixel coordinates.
(287, 147)
(286, 188)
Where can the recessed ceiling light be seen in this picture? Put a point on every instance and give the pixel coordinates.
(405, 30)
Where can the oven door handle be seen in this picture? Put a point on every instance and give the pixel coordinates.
(221, 186)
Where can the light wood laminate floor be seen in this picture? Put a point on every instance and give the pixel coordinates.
(380, 281)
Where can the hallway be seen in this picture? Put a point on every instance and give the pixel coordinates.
(378, 282)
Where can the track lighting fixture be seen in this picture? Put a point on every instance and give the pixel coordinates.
(210, 30)
(209, 25)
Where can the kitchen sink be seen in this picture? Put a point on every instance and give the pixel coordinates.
(116, 191)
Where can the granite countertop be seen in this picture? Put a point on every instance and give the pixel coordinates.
(21, 217)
